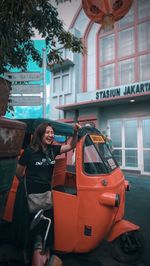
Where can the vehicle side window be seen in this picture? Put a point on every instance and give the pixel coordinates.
(107, 156)
(92, 162)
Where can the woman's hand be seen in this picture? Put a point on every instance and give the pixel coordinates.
(76, 127)
(73, 141)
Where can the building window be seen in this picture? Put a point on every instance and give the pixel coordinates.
(116, 136)
(146, 161)
(131, 143)
(56, 87)
(124, 52)
(124, 134)
(143, 8)
(126, 43)
(146, 130)
(107, 76)
(65, 82)
(144, 66)
(61, 82)
(131, 134)
(128, 19)
(107, 49)
(144, 36)
(118, 156)
(131, 158)
(126, 71)
(146, 144)
(115, 132)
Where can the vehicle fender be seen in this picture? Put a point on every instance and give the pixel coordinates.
(120, 228)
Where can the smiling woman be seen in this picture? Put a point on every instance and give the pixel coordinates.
(35, 170)
(48, 137)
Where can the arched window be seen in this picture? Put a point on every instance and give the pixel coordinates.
(123, 54)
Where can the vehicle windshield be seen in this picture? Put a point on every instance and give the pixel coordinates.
(97, 158)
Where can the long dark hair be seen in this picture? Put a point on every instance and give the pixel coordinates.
(39, 132)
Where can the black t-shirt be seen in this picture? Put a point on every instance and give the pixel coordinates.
(39, 165)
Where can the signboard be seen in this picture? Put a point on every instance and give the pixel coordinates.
(26, 89)
(129, 90)
(25, 100)
(23, 76)
(97, 139)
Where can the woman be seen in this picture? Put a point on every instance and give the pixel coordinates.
(37, 161)
(37, 164)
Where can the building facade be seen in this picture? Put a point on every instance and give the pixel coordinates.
(109, 86)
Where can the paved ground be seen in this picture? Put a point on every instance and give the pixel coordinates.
(138, 207)
(137, 211)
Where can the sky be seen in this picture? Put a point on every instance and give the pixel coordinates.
(67, 11)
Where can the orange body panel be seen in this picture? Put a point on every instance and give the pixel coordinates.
(93, 222)
(9, 208)
(121, 227)
(65, 221)
(79, 228)
(59, 172)
(8, 212)
(82, 221)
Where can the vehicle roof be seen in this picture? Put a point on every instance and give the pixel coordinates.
(60, 128)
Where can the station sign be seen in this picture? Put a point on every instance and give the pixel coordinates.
(26, 89)
(23, 76)
(25, 100)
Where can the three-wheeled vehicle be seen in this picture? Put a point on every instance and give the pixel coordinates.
(88, 191)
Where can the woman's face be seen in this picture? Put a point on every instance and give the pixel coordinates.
(48, 136)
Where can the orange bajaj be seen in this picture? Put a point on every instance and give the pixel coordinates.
(88, 191)
(89, 201)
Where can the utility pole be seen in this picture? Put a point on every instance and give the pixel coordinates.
(44, 82)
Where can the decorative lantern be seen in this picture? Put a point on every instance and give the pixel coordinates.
(106, 12)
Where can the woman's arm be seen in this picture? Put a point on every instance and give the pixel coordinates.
(20, 170)
(72, 144)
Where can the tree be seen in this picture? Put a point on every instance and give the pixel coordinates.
(18, 20)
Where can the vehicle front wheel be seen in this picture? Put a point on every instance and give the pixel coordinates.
(128, 247)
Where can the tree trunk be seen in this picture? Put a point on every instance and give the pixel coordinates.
(4, 95)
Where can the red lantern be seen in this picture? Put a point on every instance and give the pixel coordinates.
(106, 12)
